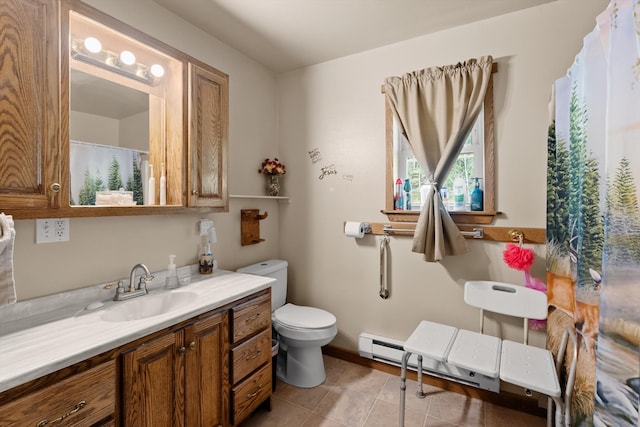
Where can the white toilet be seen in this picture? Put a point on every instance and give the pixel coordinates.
(302, 331)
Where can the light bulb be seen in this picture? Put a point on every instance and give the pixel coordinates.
(127, 57)
(92, 44)
(157, 70)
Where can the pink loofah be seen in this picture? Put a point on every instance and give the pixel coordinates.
(518, 257)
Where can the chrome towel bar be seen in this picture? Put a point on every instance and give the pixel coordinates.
(477, 233)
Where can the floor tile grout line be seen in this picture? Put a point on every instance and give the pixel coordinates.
(373, 404)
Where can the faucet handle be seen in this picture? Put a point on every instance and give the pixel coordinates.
(142, 284)
(119, 290)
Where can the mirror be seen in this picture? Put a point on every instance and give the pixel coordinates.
(125, 118)
(109, 138)
(103, 112)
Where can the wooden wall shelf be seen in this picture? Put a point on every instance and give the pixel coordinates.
(280, 199)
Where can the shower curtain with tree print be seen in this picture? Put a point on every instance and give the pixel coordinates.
(593, 218)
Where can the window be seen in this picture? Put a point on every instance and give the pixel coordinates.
(475, 160)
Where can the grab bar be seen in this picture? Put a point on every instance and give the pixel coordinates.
(477, 233)
(384, 267)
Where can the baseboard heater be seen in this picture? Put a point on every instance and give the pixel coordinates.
(389, 350)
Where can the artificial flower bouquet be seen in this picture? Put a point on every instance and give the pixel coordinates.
(272, 167)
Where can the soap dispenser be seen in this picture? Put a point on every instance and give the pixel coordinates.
(171, 281)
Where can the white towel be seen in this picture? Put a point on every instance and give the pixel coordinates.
(7, 237)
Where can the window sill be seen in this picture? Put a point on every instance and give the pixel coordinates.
(459, 217)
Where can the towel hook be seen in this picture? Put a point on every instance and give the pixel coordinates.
(516, 236)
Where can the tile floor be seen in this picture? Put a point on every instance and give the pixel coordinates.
(355, 396)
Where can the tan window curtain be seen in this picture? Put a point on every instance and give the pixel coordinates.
(436, 109)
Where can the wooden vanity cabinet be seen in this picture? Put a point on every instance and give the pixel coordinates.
(84, 399)
(30, 154)
(250, 356)
(177, 378)
(211, 370)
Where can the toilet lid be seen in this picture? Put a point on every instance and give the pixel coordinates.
(298, 316)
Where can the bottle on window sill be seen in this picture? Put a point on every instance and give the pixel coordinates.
(477, 200)
(458, 194)
(444, 195)
(398, 198)
(407, 194)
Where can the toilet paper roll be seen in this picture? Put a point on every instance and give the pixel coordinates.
(354, 229)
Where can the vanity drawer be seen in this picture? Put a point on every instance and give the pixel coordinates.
(250, 355)
(80, 400)
(251, 317)
(250, 393)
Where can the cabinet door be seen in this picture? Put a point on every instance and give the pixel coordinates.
(204, 367)
(153, 383)
(208, 136)
(29, 114)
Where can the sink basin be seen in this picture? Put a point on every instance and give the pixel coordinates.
(147, 306)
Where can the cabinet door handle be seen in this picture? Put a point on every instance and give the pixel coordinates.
(55, 187)
(182, 350)
(255, 393)
(78, 406)
(192, 345)
(195, 193)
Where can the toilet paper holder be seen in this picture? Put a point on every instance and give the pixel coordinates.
(356, 229)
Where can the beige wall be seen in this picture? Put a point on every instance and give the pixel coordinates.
(337, 108)
(102, 249)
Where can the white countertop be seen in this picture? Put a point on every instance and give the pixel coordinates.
(44, 348)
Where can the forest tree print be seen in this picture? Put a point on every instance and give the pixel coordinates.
(593, 218)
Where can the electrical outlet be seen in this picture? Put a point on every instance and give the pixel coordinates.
(52, 230)
(205, 226)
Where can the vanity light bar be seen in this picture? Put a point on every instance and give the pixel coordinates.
(124, 63)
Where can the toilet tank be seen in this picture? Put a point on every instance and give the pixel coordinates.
(277, 269)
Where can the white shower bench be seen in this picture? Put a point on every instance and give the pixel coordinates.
(493, 359)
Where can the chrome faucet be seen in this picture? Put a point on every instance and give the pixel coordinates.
(134, 290)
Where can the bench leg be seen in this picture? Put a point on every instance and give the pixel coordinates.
(420, 393)
(403, 387)
(558, 413)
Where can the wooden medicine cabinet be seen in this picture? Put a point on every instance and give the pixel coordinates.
(79, 142)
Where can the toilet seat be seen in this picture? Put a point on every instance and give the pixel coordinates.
(293, 316)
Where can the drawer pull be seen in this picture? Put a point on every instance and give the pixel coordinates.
(255, 393)
(79, 406)
(254, 355)
(252, 319)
